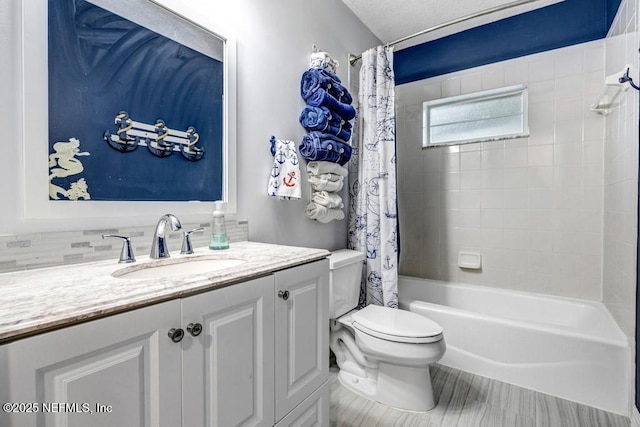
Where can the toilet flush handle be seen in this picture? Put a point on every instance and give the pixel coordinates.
(284, 295)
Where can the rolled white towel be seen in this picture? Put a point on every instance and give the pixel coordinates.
(322, 167)
(329, 176)
(325, 198)
(322, 213)
(326, 182)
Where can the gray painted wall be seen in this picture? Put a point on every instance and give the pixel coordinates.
(274, 42)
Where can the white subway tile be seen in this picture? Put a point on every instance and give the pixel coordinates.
(470, 161)
(491, 198)
(451, 181)
(542, 68)
(493, 159)
(515, 198)
(469, 218)
(471, 83)
(541, 91)
(568, 62)
(540, 240)
(492, 179)
(569, 154)
(470, 237)
(491, 238)
(516, 156)
(491, 218)
(540, 177)
(451, 199)
(470, 199)
(471, 180)
(451, 87)
(516, 178)
(567, 176)
(541, 155)
(540, 198)
(430, 92)
(516, 72)
(593, 56)
(515, 219)
(541, 219)
(493, 77)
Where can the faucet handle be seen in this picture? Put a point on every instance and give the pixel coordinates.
(126, 254)
(186, 242)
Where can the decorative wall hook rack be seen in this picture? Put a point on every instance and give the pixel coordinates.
(158, 138)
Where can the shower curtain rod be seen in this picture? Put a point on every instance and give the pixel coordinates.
(354, 58)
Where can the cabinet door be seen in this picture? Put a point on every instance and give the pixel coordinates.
(122, 370)
(228, 367)
(312, 412)
(302, 333)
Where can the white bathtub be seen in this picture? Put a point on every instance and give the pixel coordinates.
(564, 347)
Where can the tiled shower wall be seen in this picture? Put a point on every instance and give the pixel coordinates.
(532, 207)
(37, 250)
(621, 175)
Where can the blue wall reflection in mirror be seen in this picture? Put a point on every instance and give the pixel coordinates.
(168, 146)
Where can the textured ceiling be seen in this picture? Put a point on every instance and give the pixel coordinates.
(391, 20)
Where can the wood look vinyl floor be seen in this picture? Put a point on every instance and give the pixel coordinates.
(464, 399)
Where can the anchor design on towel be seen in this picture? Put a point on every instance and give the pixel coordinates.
(280, 157)
(158, 138)
(291, 181)
(275, 171)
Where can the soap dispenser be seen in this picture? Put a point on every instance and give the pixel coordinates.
(219, 239)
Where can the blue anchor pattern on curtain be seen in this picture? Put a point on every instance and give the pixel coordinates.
(373, 226)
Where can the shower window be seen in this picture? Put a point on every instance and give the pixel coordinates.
(481, 116)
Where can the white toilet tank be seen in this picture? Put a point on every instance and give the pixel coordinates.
(345, 273)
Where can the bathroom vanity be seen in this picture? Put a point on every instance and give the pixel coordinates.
(242, 345)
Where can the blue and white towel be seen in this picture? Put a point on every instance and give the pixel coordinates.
(285, 179)
(324, 146)
(318, 78)
(321, 119)
(321, 97)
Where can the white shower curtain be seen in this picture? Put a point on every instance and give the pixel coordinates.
(372, 189)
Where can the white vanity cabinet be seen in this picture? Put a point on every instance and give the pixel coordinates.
(126, 363)
(302, 334)
(247, 357)
(228, 367)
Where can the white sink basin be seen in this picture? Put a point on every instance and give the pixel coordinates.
(177, 267)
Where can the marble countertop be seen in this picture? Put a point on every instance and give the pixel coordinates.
(35, 301)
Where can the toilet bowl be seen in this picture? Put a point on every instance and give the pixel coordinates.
(383, 353)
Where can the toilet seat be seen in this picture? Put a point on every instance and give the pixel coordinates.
(396, 325)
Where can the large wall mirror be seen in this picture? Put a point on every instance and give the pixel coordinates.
(132, 105)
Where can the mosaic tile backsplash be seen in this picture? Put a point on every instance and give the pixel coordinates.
(39, 250)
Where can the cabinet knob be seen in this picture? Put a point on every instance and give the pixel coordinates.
(176, 335)
(194, 329)
(284, 295)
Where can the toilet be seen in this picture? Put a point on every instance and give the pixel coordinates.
(383, 353)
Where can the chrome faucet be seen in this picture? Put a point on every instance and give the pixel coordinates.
(159, 247)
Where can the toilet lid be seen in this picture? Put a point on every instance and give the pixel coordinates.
(396, 325)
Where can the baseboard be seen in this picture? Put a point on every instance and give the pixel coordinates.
(635, 417)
